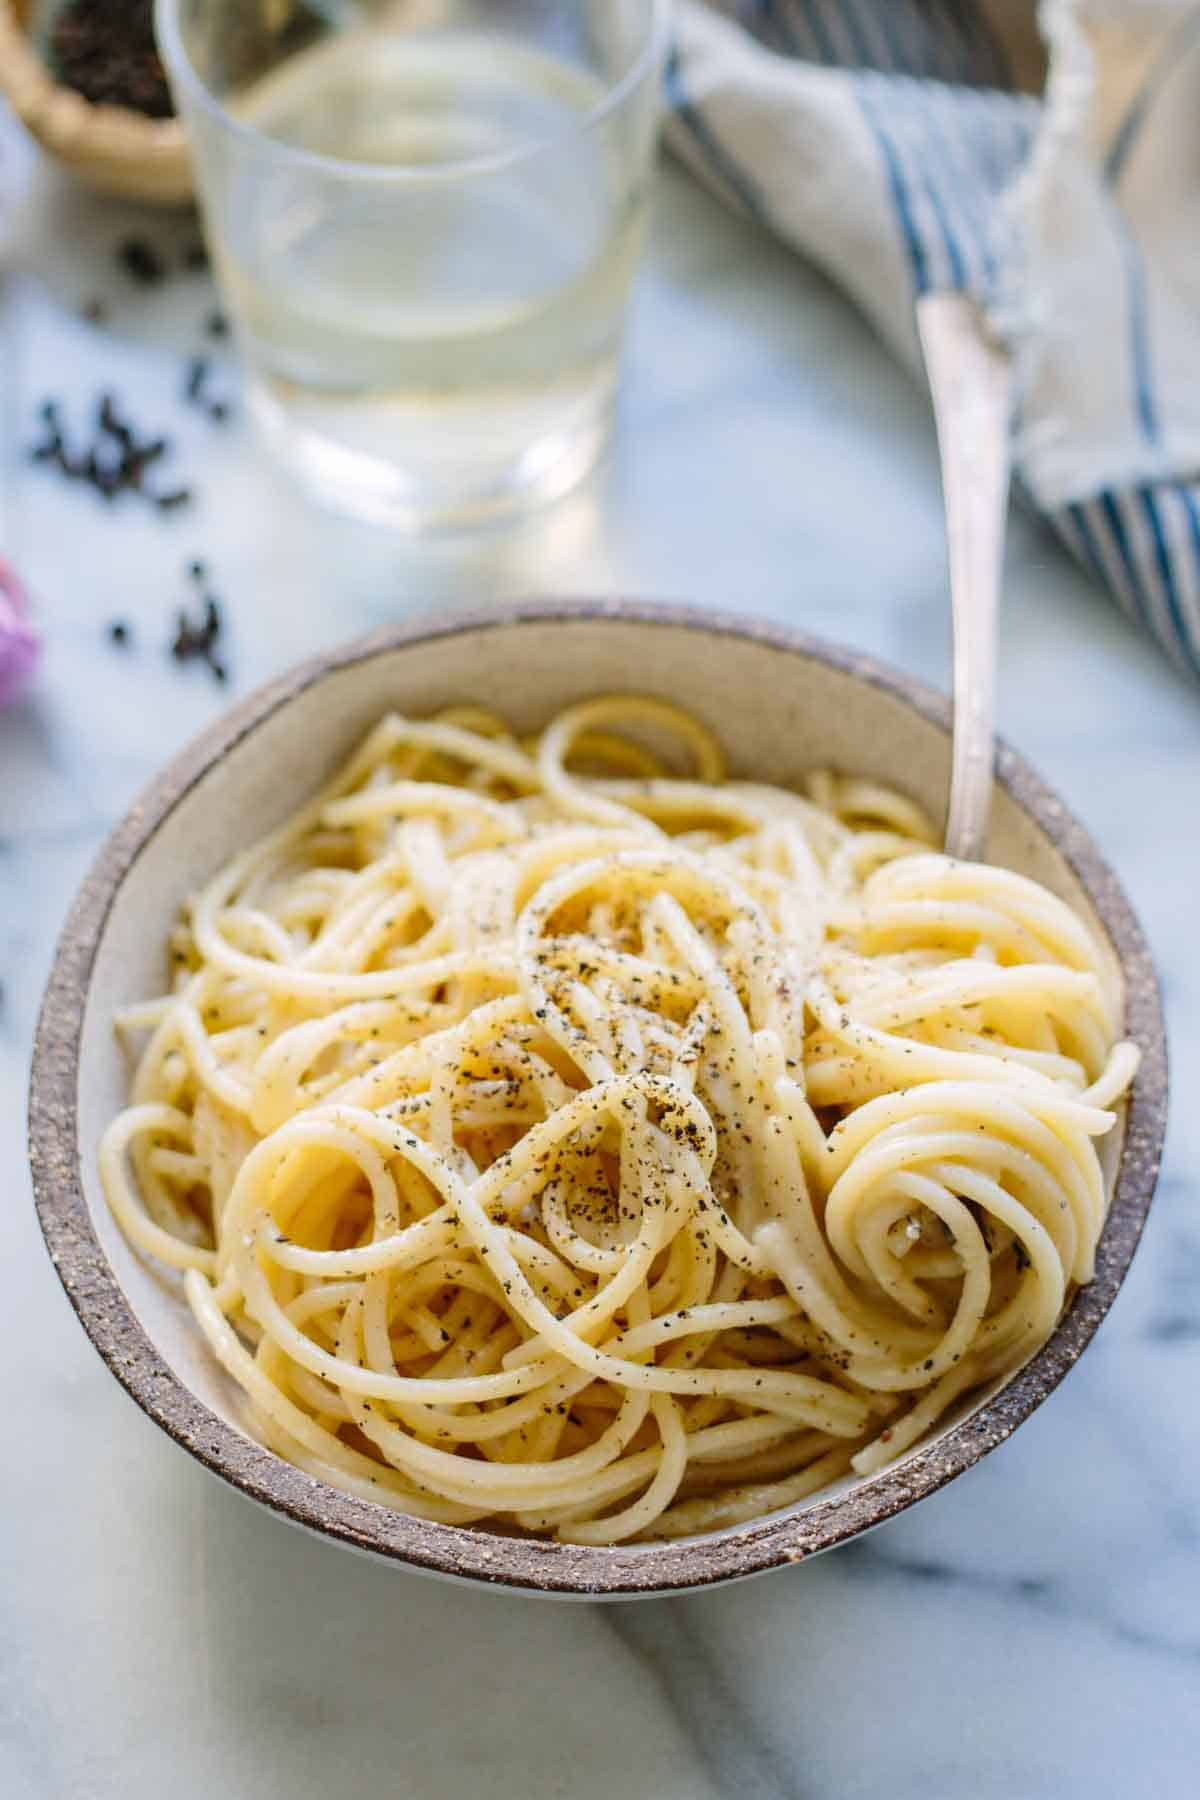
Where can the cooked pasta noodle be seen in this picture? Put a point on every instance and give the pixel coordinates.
(555, 1137)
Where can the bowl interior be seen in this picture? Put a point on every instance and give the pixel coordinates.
(780, 711)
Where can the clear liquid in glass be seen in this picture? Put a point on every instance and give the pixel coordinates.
(445, 347)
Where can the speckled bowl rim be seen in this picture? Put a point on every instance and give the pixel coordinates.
(473, 1555)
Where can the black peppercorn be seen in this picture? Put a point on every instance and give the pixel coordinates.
(199, 639)
(173, 500)
(105, 50)
(141, 261)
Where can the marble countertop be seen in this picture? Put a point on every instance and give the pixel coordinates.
(1033, 1631)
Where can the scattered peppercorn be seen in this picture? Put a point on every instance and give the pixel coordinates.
(141, 261)
(197, 375)
(108, 422)
(195, 390)
(120, 634)
(114, 462)
(198, 639)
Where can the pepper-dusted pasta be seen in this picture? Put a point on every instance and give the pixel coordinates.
(553, 1140)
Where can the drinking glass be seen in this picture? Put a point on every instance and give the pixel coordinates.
(424, 216)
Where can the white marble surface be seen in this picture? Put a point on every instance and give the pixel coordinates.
(1031, 1633)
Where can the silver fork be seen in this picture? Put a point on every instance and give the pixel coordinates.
(970, 379)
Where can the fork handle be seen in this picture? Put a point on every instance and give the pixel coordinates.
(970, 380)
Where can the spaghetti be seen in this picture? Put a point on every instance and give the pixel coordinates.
(551, 1139)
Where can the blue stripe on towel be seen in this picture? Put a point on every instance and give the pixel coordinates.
(1186, 644)
(1000, 128)
(1109, 509)
(901, 109)
(1191, 505)
(1141, 364)
(1113, 569)
(923, 47)
(924, 38)
(907, 170)
(762, 19)
(721, 163)
(1097, 532)
(954, 255)
(795, 17)
(879, 45)
(986, 140)
(839, 31)
(1181, 39)
(1071, 530)
(1189, 570)
(846, 15)
(898, 186)
(953, 148)
(1078, 514)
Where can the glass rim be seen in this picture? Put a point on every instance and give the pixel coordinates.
(181, 69)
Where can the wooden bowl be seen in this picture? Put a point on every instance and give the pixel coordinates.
(113, 149)
(782, 704)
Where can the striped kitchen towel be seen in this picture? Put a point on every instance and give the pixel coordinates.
(890, 141)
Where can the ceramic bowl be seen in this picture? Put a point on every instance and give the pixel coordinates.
(112, 149)
(782, 704)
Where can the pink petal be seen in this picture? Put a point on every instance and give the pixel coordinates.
(19, 644)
